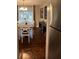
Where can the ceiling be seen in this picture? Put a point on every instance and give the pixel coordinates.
(31, 2)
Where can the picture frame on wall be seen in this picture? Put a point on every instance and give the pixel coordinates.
(45, 12)
(41, 13)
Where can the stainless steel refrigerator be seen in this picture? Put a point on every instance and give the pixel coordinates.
(54, 46)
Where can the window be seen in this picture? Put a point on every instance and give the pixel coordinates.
(25, 15)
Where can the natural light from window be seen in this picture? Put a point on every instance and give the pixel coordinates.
(25, 15)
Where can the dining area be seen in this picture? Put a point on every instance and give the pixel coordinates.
(30, 37)
(25, 30)
(25, 24)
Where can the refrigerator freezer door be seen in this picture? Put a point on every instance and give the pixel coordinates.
(56, 17)
(54, 51)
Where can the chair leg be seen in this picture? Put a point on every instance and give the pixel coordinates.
(22, 40)
(28, 39)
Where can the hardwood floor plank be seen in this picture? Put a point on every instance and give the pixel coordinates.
(36, 46)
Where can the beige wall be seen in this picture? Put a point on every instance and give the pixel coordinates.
(37, 15)
(42, 6)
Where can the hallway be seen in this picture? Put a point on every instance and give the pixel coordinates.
(36, 46)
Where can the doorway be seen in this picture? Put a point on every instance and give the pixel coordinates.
(31, 39)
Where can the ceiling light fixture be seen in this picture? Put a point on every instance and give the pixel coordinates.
(23, 8)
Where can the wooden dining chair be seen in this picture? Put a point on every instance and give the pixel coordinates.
(25, 32)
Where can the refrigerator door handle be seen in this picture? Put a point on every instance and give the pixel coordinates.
(55, 28)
